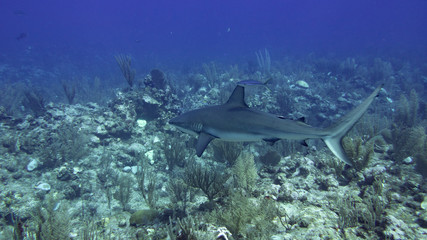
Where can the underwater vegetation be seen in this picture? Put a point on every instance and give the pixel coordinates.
(359, 153)
(75, 169)
(407, 134)
(35, 102)
(227, 152)
(208, 179)
(174, 151)
(125, 62)
(70, 92)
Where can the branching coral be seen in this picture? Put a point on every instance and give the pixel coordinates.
(245, 172)
(226, 151)
(147, 190)
(205, 178)
(125, 62)
(52, 219)
(174, 151)
(64, 144)
(35, 102)
(124, 191)
(408, 137)
(211, 74)
(358, 152)
(406, 112)
(247, 220)
(70, 92)
(181, 194)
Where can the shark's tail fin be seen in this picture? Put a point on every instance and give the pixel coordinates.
(341, 128)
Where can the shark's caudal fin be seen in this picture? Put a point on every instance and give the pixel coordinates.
(341, 128)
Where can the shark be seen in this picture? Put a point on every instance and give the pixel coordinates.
(235, 121)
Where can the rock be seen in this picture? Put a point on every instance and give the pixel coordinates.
(371, 172)
(72, 191)
(424, 204)
(343, 100)
(73, 235)
(136, 148)
(397, 197)
(141, 123)
(408, 160)
(148, 107)
(127, 169)
(105, 222)
(422, 220)
(17, 175)
(43, 186)
(32, 165)
(150, 156)
(396, 228)
(327, 182)
(302, 84)
(77, 170)
(281, 178)
(143, 217)
(121, 222)
(66, 174)
(271, 158)
(419, 197)
(101, 131)
(11, 166)
(150, 231)
(94, 139)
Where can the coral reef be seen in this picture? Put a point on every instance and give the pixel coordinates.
(115, 169)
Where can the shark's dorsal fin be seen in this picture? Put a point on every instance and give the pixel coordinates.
(237, 98)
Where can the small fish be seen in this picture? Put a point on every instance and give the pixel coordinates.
(251, 82)
(21, 36)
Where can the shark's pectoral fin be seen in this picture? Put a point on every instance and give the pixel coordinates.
(271, 141)
(202, 142)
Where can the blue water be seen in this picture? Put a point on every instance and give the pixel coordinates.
(198, 30)
(48, 41)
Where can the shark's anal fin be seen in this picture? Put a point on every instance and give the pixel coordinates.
(301, 119)
(202, 142)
